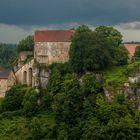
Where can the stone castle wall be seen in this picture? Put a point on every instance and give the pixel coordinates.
(3, 87)
(24, 74)
(11, 80)
(52, 52)
(7, 83)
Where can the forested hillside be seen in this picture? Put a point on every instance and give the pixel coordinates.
(7, 55)
(74, 105)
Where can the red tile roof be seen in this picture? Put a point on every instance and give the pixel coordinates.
(131, 48)
(53, 36)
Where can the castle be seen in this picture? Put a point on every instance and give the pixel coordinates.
(50, 46)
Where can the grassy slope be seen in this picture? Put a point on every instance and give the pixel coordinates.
(117, 76)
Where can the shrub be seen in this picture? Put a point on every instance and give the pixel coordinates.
(13, 98)
(26, 44)
(30, 102)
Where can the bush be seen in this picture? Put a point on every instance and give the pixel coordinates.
(26, 44)
(13, 98)
(10, 114)
(35, 128)
(30, 102)
(137, 52)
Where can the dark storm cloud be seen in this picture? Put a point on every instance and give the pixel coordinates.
(45, 12)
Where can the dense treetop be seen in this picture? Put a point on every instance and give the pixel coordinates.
(96, 50)
(7, 55)
(137, 52)
(26, 44)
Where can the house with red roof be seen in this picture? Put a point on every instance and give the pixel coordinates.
(52, 46)
(131, 48)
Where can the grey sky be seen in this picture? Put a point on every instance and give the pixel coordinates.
(19, 18)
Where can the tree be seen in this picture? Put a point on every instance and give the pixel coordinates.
(120, 56)
(137, 52)
(94, 50)
(30, 102)
(7, 54)
(35, 128)
(90, 85)
(81, 40)
(110, 35)
(83, 49)
(13, 98)
(111, 39)
(26, 44)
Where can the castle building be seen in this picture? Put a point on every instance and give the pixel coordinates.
(51, 46)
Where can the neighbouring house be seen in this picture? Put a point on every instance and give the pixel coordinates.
(131, 49)
(7, 80)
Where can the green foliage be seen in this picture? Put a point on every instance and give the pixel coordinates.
(79, 49)
(54, 84)
(76, 109)
(30, 102)
(7, 55)
(63, 68)
(117, 76)
(13, 98)
(82, 112)
(120, 56)
(89, 84)
(96, 50)
(111, 36)
(35, 129)
(110, 40)
(46, 100)
(20, 128)
(137, 52)
(26, 44)
(73, 106)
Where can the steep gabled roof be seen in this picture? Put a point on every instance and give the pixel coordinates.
(131, 48)
(4, 74)
(53, 36)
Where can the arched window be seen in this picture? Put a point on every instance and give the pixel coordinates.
(24, 77)
(30, 76)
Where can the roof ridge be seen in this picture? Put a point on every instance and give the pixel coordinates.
(53, 35)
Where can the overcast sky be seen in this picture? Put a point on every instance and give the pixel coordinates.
(19, 18)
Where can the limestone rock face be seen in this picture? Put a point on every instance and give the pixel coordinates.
(131, 89)
(133, 93)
